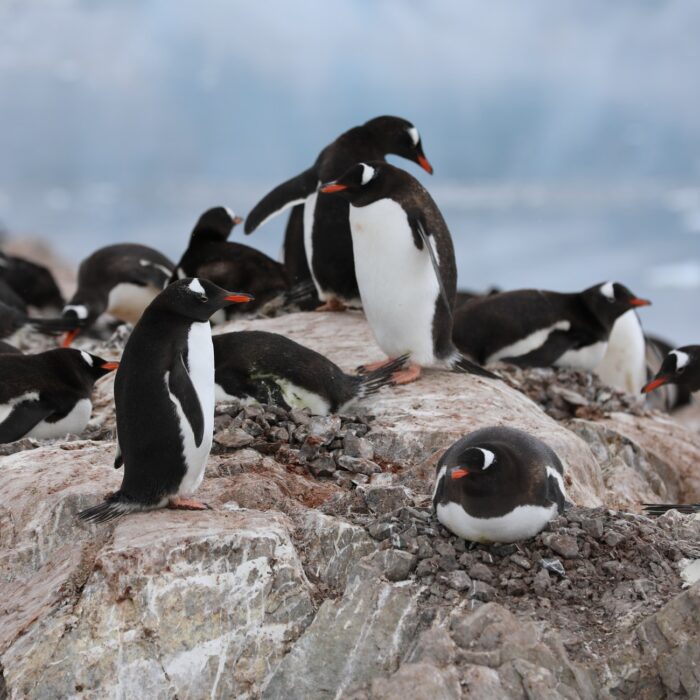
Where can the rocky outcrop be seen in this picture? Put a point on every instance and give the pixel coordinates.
(320, 571)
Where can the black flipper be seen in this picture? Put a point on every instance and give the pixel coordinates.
(661, 508)
(183, 390)
(22, 418)
(548, 353)
(288, 194)
(54, 325)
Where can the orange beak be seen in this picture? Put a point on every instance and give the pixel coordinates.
(237, 220)
(423, 162)
(654, 384)
(639, 302)
(239, 297)
(69, 337)
(460, 473)
(110, 365)
(333, 187)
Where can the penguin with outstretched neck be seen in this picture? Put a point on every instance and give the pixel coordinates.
(230, 265)
(164, 398)
(681, 367)
(405, 265)
(326, 232)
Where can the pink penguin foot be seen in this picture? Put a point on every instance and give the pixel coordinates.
(406, 375)
(178, 503)
(363, 369)
(332, 305)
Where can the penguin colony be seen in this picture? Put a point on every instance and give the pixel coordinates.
(361, 233)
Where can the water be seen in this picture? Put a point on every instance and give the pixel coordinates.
(552, 237)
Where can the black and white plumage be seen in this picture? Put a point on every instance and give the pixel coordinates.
(537, 328)
(667, 396)
(271, 368)
(498, 485)
(34, 283)
(681, 367)
(230, 265)
(326, 233)
(656, 509)
(47, 395)
(7, 348)
(121, 280)
(13, 320)
(405, 266)
(164, 398)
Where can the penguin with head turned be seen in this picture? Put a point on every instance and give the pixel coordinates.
(47, 395)
(164, 399)
(538, 328)
(121, 280)
(405, 266)
(326, 233)
(680, 367)
(230, 265)
(498, 485)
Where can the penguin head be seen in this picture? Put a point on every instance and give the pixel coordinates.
(400, 138)
(680, 366)
(473, 463)
(215, 224)
(84, 367)
(608, 301)
(196, 299)
(82, 315)
(364, 183)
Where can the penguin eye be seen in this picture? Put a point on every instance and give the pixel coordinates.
(203, 298)
(680, 370)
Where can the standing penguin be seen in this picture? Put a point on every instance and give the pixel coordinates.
(327, 240)
(498, 485)
(121, 279)
(230, 265)
(405, 265)
(164, 397)
(47, 395)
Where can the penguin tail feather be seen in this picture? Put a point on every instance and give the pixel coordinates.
(113, 507)
(371, 382)
(301, 293)
(462, 364)
(661, 508)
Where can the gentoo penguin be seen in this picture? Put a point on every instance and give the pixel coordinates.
(12, 320)
(498, 485)
(6, 348)
(119, 279)
(9, 297)
(326, 233)
(405, 266)
(164, 398)
(48, 394)
(271, 368)
(681, 366)
(230, 265)
(33, 282)
(537, 328)
(669, 396)
(624, 365)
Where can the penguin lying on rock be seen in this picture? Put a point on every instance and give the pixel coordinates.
(498, 485)
(271, 368)
(405, 266)
(164, 397)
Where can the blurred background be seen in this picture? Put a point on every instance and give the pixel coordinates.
(565, 136)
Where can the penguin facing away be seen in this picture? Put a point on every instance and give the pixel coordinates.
(230, 265)
(164, 398)
(34, 283)
(498, 485)
(271, 368)
(121, 280)
(537, 328)
(12, 320)
(405, 265)
(681, 367)
(326, 232)
(47, 395)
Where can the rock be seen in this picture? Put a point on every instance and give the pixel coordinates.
(382, 500)
(565, 545)
(482, 591)
(395, 564)
(553, 565)
(355, 446)
(322, 466)
(521, 561)
(457, 580)
(233, 438)
(358, 465)
(542, 582)
(325, 428)
(420, 681)
(612, 539)
(593, 526)
(481, 572)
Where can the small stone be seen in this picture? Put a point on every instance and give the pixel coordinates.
(564, 545)
(300, 434)
(253, 410)
(397, 565)
(222, 422)
(426, 567)
(593, 527)
(358, 465)
(515, 586)
(279, 434)
(481, 572)
(322, 466)
(542, 582)
(457, 580)
(504, 550)
(571, 397)
(355, 446)
(482, 591)
(553, 565)
(445, 548)
(233, 438)
(252, 428)
(381, 531)
(300, 416)
(448, 563)
(382, 500)
(325, 428)
(612, 539)
(521, 561)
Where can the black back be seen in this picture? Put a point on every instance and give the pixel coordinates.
(32, 282)
(6, 348)
(517, 477)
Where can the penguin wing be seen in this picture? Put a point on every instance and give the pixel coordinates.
(181, 387)
(288, 194)
(22, 418)
(149, 273)
(421, 238)
(548, 353)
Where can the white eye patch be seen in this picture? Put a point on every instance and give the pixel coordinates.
(80, 311)
(413, 133)
(368, 172)
(86, 357)
(196, 286)
(231, 213)
(489, 457)
(607, 290)
(682, 358)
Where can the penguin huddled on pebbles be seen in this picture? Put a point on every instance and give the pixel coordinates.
(32, 282)
(271, 368)
(121, 280)
(164, 398)
(537, 328)
(13, 320)
(405, 266)
(230, 265)
(326, 232)
(681, 367)
(498, 485)
(47, 395)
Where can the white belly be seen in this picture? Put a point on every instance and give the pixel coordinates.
(309, 214)
(397, 282)
(532, 342)
(74, 422)
(200, 358)
(127, 301)
(586, 359)
(624, 363)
